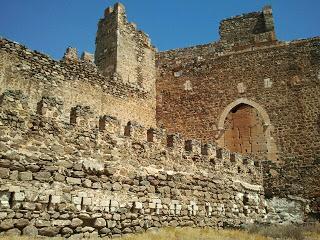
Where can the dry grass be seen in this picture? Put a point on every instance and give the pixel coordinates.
(310, 232)
(195, 234)
(306, 232)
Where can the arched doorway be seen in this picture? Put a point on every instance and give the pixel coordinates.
(246, 129)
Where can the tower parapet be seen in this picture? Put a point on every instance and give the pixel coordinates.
(248, 29)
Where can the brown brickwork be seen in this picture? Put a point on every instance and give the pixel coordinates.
(197, 87)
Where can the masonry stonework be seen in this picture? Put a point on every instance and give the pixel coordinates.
(249, 68)
(218, 135)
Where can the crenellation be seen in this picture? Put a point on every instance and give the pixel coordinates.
(71, 55)
(135, 131)
(87, 57)
(157, 136)
(82, 151)
(110, 124)
(193, 146)
(209, 150)
(50, 107)
(108, 11)
(175, 142)
(82, 116)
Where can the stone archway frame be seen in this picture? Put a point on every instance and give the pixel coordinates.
(268, 128)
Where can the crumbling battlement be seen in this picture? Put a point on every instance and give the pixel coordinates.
(15, 112)
(87, 176)
(94, 150)
(75, 81)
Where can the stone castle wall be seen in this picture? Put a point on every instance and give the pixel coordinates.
(83, 176)
(198, 87)
(80, 153)
(77, 82)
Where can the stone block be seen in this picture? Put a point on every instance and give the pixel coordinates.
(61, 223)
(4, 199)
(111, 224)
(42, 176)
(6, 224)
(76, 200)
(30, 231)
(87, 201)
(76, 222)
(114, 205)
(100, 223)
(25, 176)
(13, 232)
(138, 205)
(18, 196)
(74, 181)
(49, 231)
(56, 199)
(4, 173)
(42, 223)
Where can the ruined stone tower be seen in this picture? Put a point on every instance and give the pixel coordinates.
(123, 50)
(221, 134)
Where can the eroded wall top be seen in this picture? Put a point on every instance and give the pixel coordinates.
(124, 50)
(250, 28)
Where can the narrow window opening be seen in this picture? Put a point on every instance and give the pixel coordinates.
(11, 196)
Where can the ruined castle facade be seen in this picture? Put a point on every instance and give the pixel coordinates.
(129, 138)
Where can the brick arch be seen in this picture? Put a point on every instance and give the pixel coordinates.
(267, 126)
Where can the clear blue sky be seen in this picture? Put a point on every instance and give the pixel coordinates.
(50, 26)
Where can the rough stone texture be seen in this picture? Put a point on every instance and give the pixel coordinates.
(122, 49)
(81, 156)
(77, 83)
(200, 88)
(135, 182)
(30, 231)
